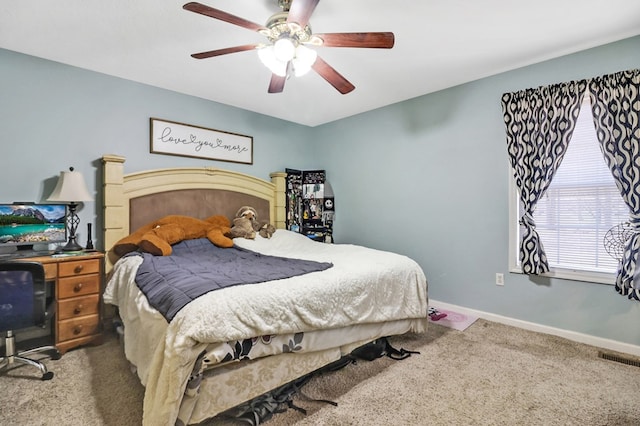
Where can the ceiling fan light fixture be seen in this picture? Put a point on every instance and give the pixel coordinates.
(268, 58)
(303, 60)
(284, 49)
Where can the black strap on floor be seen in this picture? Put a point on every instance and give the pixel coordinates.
(262, 408)
(379, 348)
(398, 354)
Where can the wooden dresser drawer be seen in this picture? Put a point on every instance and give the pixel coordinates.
(78, 327)
(78, 286)
(78, 267)
(78, 306)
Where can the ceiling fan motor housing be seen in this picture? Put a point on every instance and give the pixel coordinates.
(277, 28)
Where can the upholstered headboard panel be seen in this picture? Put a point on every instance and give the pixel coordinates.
(200, 203)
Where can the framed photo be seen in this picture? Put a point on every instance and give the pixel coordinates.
(172, 138)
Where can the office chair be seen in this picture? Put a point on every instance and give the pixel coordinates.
(22, 305)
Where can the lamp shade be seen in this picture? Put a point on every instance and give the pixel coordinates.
(304, 60)
(284, 49)
(275, 57)
(70, 188)
(268, 58)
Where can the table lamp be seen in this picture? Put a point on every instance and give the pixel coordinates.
(71, 189)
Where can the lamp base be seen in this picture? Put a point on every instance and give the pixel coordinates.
(72, 245)
(72, 224)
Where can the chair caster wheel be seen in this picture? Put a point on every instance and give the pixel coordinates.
(55, 355)
(48, 375)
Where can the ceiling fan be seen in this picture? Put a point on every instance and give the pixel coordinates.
(287, 52)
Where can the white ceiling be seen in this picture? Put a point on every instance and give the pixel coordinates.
(439, 44)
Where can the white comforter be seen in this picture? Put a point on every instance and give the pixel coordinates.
(363, 286)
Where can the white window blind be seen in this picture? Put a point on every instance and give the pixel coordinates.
(581, 205)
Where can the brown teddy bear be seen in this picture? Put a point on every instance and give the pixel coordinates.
(158, 236)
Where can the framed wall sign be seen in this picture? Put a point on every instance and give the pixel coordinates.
(172, 138)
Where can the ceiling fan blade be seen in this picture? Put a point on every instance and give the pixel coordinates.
(300, 11)
(332, 76)
(223, 16)
(373, 40)
(226, 51)
(276, 85)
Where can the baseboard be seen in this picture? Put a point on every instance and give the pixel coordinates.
(600, 342)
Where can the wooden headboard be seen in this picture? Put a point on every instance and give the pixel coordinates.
(135, 199)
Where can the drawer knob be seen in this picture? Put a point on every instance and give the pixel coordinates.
(78, 269)
(77, 287)
(78, 309)
(77, 329)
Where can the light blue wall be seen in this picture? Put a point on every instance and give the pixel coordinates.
(429, 178)
(53, 116)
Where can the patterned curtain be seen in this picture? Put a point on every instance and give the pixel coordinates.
(539, 124)
(615, 103)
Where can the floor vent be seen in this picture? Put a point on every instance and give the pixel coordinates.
(620, 359)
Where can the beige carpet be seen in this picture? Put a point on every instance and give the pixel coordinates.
(489, 374)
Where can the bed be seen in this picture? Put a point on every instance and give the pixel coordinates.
(233, 344)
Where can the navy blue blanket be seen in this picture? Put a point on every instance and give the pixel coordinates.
(197, 267)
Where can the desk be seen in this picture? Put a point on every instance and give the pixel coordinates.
(78, 286)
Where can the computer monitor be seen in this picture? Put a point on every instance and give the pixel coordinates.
(24, 225)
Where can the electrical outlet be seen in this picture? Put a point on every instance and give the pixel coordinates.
(499, 278)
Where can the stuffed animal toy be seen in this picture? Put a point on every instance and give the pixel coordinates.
(157, 237)
(266, 230)
(249, 214)
(242, 228)
(243, 223)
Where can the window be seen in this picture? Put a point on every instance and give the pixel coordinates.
(573, 217)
